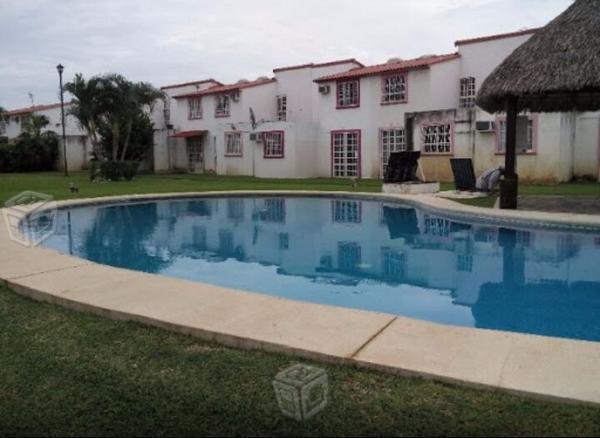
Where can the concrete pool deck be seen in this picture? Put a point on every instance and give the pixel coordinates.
(554, 368)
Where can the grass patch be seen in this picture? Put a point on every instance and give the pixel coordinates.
(70, 373)
(57, 185)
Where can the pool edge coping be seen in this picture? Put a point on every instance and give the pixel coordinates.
(355, 358)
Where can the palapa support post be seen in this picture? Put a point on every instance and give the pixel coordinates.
(509, 186)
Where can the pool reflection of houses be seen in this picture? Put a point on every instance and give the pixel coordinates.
(348, 242)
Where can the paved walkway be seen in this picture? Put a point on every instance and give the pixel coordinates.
(562, 204)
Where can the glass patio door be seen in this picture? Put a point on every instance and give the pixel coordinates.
(345, 153)
(195, 154)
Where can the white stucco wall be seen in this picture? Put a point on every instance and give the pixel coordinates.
(587, 146)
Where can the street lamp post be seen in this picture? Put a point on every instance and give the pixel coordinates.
(60, 69)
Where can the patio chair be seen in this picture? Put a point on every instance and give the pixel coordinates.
(464, 174)
(402, 167)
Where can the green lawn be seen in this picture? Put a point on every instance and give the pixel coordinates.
(69, 373)
(54, 183)
(57, 185)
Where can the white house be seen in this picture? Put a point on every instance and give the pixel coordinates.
(266, 127)
(427, 104)
(342, 119)
(77, 144)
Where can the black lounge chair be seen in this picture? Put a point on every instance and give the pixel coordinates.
(464, 175)
(402, 167)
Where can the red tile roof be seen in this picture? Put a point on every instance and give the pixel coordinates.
(188, 134)
(217, 89)
(317, 65)
(205, 81)
(390, 67)
(31, 109)
(497, 36)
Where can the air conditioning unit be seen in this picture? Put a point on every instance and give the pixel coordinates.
(324, 89)
(484, 126)
(256, 136)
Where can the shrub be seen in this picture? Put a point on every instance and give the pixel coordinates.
(129, 169)
(29, 153)
(113, 170)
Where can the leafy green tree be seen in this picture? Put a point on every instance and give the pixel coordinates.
(86, 107)
(34, 124)
(140, 139)
(108, 107)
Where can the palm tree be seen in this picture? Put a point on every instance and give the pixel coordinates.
(34, 124)
(140, 96)
(111, 102)
(85, 107)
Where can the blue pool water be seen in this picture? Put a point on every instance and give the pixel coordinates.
(362, 254)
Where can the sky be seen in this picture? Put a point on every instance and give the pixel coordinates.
(174, 41)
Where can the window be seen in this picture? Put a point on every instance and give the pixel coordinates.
(222, 105)
(282, 108)
(393, 89)
(345, 153)
(194, 109)
(195, 154)
(233, 144)
(349, 256)
(436, 226)
(273, 144)
(274, 210)
(235, 209)
(199, 237)
(393, 264)
(346, 211)
(467, 92)
(437, 138)
(464, 263)
(392, 140)
(348, 94)
(284, 241)
(526, 127)
(226, 242)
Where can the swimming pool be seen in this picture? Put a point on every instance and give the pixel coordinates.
(358, 253)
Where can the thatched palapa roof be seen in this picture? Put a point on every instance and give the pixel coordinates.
(557, 69)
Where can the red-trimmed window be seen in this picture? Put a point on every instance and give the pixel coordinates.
(467, 92)
(222, 104)
(345, 153)
(233, 144)
(348, 94)
(282, 108)
(437, 138)
(194, 108)
(346, 211)
(526, 134)
(394, 89)
(392, 140)
(273, 143)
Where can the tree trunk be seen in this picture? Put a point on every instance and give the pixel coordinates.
(115, 141)
(127, 137)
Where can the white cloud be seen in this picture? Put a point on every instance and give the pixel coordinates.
(181, 40)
